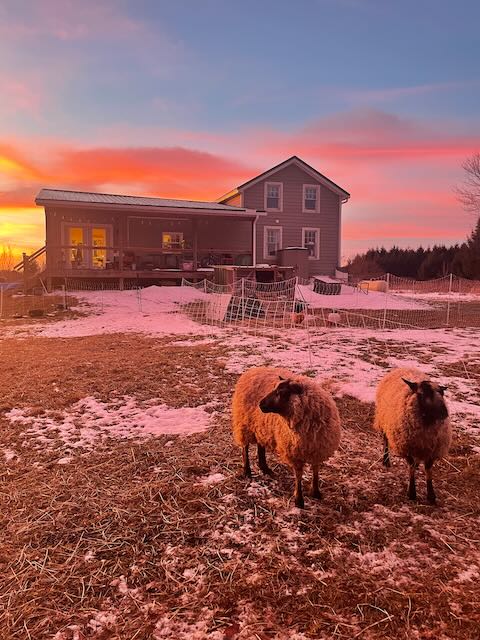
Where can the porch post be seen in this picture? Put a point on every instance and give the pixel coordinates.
(195, 243)
(254, 242)
(25, 272)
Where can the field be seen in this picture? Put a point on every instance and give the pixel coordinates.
(124, 515)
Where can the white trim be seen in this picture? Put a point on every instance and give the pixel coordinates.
(265, 249)
(317, 202)
(280, 196)
(317, 248)
(254, 242)
(304, 167)
(87, 228)
(339, 258)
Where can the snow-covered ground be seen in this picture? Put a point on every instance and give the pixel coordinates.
(352, 361)
(139, 499)
(157, 310)
(354, 298)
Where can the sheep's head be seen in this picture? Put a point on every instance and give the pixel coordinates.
(282, 399)
(431, 403)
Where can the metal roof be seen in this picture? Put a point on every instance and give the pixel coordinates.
(88, 197)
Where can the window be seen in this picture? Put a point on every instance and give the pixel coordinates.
(311, 198)
(76, 243)
(99, 239)
(172, 240)
(272, 241)
(311, 240)
(273, 196)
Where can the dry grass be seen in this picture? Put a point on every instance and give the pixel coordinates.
(130, 529)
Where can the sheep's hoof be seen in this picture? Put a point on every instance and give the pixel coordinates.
(432, 499)
(246, 474)
(299, 502)
(387, 463)
(412, 494)
(316, 494)
(267, 471)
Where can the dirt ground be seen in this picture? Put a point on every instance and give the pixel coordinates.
(161, 538)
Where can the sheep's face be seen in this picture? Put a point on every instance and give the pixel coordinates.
(282, 399)
(431, 403)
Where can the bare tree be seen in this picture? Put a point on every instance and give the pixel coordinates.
(7, 258)
(469, 192)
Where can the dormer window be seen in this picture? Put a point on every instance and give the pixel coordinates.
(311, 198)
(273, 196)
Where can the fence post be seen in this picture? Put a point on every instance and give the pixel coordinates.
(64, 296)
(447, 321)
(450, 284)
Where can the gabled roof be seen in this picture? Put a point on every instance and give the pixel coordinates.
(293, 160)
(47, 196)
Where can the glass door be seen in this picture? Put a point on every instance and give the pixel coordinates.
(87, 246)
(99, 255)
(76, 251)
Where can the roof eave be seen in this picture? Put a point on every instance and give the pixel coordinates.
(305, 166)
(233, 212)
(228, 196)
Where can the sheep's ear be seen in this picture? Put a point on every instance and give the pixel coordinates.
(296, 388)
(282, 379)
(442, 389)
(413, 385)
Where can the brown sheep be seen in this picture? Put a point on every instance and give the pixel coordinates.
(290, 414)
(413, 417)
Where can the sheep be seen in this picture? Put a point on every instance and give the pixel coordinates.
(291, 414)
(412, 415)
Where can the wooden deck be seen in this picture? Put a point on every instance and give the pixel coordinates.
(124, 277)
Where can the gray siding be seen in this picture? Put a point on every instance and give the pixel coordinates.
(222, 235)
(292, 220)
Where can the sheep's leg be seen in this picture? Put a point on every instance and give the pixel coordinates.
(298, 495)
(412, 488)
(431, 497)
(247, 472)
(262, 461)
(386, 453)
(315, 490)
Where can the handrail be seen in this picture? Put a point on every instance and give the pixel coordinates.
(34, 256)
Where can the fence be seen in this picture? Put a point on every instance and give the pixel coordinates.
(37, 304)
(447, 284)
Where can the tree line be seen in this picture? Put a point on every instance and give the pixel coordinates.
(424, 264)
(421, 264)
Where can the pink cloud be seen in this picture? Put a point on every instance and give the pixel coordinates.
(400, 172)
(20, 95)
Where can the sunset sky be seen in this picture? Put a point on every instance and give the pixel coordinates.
(189, 98)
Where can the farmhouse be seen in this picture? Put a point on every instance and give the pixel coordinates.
(104, 236)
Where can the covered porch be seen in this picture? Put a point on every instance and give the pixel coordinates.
(161, 243)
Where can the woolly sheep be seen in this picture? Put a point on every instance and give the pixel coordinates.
(291, 414)
(413, 417)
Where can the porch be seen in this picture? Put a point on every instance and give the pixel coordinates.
(104, 237)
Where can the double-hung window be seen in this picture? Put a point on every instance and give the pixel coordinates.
(273, 196)
(311, 241)
(311, 198)
(272, 242)
(172, 240)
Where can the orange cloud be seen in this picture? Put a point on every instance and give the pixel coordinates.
(400, 172)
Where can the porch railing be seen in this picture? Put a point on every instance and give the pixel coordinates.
(165, 257)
